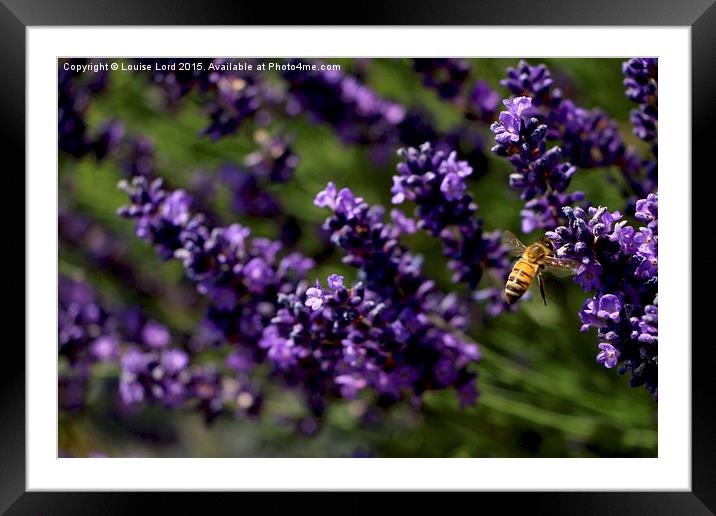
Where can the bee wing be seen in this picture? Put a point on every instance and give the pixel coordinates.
(561, 266)
(510, 240)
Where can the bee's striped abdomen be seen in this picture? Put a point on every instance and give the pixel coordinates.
(520, 279)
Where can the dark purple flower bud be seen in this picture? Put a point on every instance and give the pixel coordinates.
(155, 335)
(533, 81)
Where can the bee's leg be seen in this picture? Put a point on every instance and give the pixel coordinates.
(541, 288)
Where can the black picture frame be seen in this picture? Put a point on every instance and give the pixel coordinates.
(17, 15)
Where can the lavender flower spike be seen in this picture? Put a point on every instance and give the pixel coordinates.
(539, 173)
(640, 79)
(242, 277)
(435, 182)
(395, 300)
(620, 264)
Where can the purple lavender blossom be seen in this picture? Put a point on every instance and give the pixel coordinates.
(546, 211)
(539, 173)
(105, 348)
(230, 95)
(314, 297)
(343, 201)
(643, 120)
(588, 138)
(340, 341)
(154, 376)
(398, 291)
(608, 356)
(647, 210)
(155, 335)
(176, 81)
(326, 198)
(483, 102)
(167, 377)
(446, 76)
(507, 130)
(87, 334)
(75, 92)
(104, 248)
(151, 371)
(108, 139)
(357, 112)
(404, 225)
(533, 81)
(646, 328)
(248, 197)
(361, 116)
(274, 160)
(237, 97)
(435, 182)
(159, 220)
(138, 156)
(207, 391)
(335, 281)
(620, 264)
(242, 277)
(641, 81)
(452, 186)
(537, 169)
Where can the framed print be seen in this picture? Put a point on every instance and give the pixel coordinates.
(388, 256)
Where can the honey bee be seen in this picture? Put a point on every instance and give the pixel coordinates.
(534, 258)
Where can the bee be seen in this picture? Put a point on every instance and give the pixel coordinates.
(534, 259)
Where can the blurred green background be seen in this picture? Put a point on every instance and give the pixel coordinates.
(541, 392)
